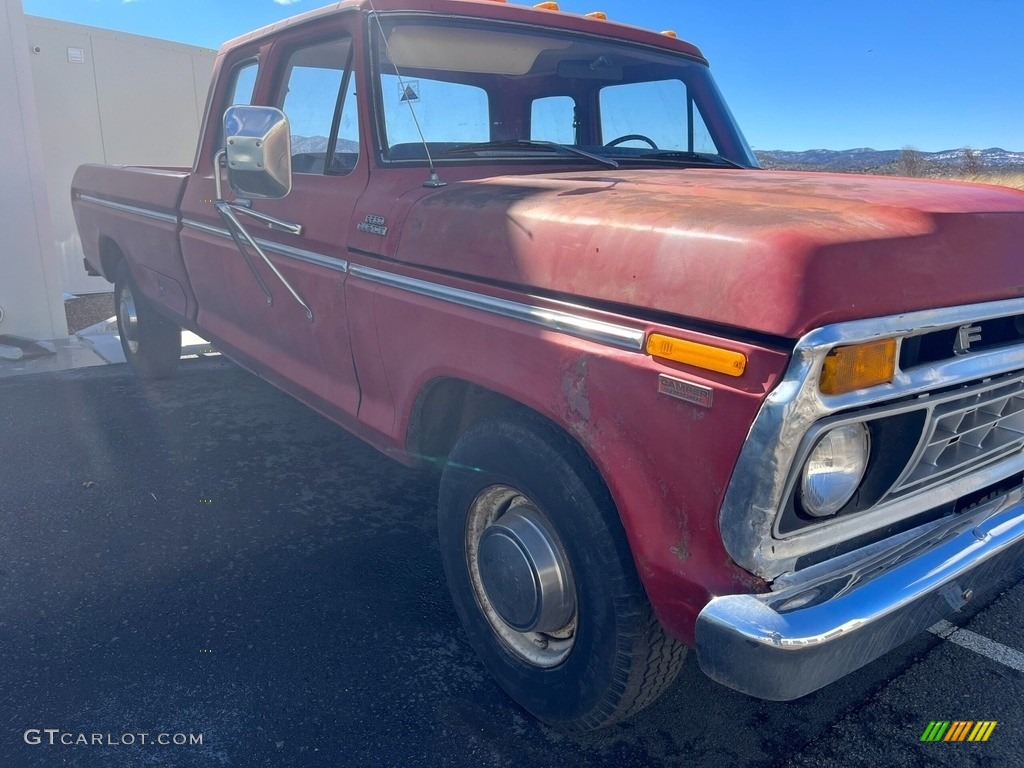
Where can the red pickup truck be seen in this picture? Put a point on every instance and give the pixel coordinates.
(677, 401)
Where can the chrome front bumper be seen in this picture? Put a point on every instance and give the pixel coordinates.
(753, 644)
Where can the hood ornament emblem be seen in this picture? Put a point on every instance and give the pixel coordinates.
(965, 336)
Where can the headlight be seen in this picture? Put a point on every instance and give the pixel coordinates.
(833, 471)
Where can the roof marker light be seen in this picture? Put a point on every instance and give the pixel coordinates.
(599, 15)
(546, 6)
(670, 33)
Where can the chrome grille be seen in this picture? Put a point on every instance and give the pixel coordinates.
(964, 432)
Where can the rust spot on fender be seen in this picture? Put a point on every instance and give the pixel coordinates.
(574, 388)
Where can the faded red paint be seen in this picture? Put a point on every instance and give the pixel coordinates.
(780, 253)
(775, 253)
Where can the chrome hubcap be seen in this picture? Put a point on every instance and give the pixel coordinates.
(521, 576)
(129, 319)
(523, 573)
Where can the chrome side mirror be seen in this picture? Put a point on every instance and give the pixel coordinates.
(258, 144)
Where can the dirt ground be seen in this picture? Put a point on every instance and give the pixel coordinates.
(84, 311)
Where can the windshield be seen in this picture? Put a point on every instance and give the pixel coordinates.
(499, 91)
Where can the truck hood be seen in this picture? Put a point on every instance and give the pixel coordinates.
(775, 252)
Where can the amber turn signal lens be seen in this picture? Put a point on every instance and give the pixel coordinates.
(700, 355)
(858, 366)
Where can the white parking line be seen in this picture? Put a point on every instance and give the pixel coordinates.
(979, 644)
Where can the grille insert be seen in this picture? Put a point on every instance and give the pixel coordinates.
(966, 431)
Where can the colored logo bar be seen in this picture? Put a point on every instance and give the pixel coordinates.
(958, 730)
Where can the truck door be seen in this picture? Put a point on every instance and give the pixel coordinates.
(242, 304)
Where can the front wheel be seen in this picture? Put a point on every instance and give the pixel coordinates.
(543, 579)
(151, 343)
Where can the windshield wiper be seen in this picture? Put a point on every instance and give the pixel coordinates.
(529, 144)
(692, 157)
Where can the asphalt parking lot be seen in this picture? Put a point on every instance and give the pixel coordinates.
(206, 556)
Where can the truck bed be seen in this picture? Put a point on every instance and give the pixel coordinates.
(134, 211)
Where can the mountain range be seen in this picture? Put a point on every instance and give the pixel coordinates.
(315, 144)
(840, 160)
(866, 159)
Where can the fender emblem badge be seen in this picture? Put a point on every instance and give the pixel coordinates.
(685, 390)
(373, 224)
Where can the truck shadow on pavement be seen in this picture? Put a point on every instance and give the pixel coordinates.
(204, 555)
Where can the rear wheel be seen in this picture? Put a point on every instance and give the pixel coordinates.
(543, 579)
(151, 343)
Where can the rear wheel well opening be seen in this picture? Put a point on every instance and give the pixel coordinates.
(110, 256)
(444, 410)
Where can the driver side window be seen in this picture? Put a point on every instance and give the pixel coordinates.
(318, 96)
(656, 110)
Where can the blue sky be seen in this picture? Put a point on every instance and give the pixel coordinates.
(931, 74)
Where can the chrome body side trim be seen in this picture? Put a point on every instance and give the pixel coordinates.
(762, 473)
(599, 331)
(786, 644)
(164, 217)
(302, 255)
(610, 334)
(284, 250)
(200, 227)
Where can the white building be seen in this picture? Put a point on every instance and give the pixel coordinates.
(71, 94)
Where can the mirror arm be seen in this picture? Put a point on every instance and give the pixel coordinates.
(273, 223)
(217, 159)
(244, 206)
(238, 232)
(226, 217)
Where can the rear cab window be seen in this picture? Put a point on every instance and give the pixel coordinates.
(241, 89)
(243, 84)
(553, 118)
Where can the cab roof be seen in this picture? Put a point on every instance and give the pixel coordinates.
(479, 9)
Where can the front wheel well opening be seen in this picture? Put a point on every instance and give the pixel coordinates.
(444, 410)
